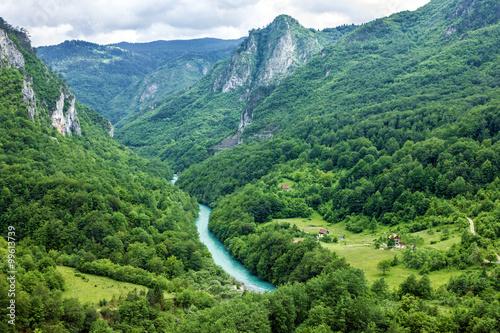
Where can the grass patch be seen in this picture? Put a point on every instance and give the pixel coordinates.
(286, 181)
(93, 288)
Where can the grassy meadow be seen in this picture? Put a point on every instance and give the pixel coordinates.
(359, 251)
(90, 288)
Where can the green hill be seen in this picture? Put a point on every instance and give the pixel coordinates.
(403, 83)
(72, 195)
(392, 129)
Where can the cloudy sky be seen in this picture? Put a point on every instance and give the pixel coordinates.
(109, 21)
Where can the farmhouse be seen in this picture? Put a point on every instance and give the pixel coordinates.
(397, 241)
(323, 232)
(285, 187)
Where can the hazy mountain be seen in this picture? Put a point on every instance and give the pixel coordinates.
(105, 76)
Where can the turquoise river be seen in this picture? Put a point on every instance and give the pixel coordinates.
(223, 258)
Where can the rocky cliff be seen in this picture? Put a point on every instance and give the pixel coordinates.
(270, 54)
(66, 122)
(265, 59)
(64, 117)
(190, 125)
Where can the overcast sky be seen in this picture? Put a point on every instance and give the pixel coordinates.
(109, 21)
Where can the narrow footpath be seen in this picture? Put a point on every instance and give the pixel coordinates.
(471, 226)
(474, 232)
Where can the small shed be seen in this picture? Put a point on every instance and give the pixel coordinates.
(285, 187)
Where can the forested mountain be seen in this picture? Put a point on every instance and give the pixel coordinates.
(391, 128)
(71, 195)
(123, 79)
(416, 84)
(187, 127)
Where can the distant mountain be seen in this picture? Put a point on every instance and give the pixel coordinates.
(104, 76)
(186, 127)
(179, 47)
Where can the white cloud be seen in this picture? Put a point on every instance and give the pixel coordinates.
(109, 21)
(51, 35)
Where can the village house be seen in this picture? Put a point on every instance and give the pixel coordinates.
(285, 187)
(397, 241)
(323, 232)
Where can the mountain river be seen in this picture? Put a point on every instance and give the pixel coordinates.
(223, 258)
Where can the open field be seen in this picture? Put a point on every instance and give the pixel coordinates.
(93, 288)
(286, 181)
(359, 251)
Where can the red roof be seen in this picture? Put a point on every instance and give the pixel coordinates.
(285, 187)
(323, 231)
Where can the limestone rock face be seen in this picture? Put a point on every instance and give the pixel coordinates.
(268, 55)
(12, 57)
(111, 131)
(66, 123)
(30, 99)
(239, 72)
(9, 51)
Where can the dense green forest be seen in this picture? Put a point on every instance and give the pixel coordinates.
(393, 128)
(88, 202)
(398, 127)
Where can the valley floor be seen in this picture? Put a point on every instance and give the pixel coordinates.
(358, 249)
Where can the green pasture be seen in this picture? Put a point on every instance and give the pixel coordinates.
(359, 251)
(90, 288)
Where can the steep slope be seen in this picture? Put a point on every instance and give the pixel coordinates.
(144, 94)
(100, 74)
(187, 127)
(72, 194)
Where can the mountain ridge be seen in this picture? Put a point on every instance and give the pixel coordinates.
(221, 102)
(103, 75)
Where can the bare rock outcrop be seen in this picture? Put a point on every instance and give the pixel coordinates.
(66, 122)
